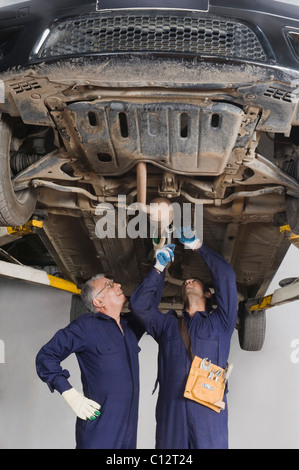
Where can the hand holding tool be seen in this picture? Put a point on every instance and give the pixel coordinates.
(164, 256)
(188, 237)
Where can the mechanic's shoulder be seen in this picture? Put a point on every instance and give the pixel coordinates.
(83, 319)
(171, 314)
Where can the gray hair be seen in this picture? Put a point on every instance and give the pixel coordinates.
(88, 293)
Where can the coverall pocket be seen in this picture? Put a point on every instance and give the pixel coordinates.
(207, 348)
(87, 424)
(105, 349)
(173, 344)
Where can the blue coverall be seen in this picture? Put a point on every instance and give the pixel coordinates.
(183, 423)
(109, 365)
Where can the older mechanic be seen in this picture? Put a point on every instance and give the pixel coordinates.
(106, 345)
(182, 423)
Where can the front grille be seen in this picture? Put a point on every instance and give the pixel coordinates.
(99, 33)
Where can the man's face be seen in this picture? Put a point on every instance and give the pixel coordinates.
(192, 286)
(108, 293)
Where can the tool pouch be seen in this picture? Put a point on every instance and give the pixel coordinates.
(204, 389)
(206, 381)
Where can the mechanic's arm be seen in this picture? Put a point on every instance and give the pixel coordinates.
(224, 283)
(223, 279)
(65, 342)
(145, 300)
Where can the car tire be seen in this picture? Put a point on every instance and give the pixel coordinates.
(292, 212)
(252, 328)
(15, 208)
(77, 307)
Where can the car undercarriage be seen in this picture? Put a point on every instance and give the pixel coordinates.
(80, 132)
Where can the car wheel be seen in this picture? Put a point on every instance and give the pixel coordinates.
(17, 207)
(252, 328)
(77, 307)
(292, 211)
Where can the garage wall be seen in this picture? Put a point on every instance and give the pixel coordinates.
(263, 397)
(31, 416)
(264, 386)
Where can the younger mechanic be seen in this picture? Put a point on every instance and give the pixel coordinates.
(106, 346)
(183, 423)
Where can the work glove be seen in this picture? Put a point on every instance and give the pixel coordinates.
(164, 256)
(188, 237)
(83, 407)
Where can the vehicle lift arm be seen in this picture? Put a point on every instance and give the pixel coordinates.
(289, 290)
(282, 295)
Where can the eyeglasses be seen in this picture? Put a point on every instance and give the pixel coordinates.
(109, 284)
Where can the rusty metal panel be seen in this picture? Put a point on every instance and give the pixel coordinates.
(184, 138)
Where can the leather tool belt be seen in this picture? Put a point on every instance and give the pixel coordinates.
(206, 384)
(206, 381)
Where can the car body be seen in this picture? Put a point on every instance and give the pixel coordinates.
(144, 100)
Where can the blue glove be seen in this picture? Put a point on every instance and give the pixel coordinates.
(164, 256)
(188, 237)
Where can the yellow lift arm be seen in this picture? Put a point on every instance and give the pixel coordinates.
(16, 270)
(287, 293)
(36, 276)
(280, 296)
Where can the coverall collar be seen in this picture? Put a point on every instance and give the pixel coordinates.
(187, 316)
(103, 316)
(206, 313)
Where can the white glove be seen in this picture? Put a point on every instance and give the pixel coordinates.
(188, 238)
(83, 407)
(164, 256)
